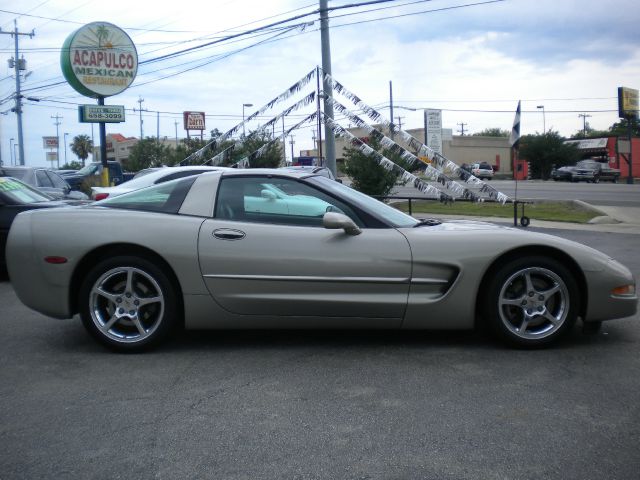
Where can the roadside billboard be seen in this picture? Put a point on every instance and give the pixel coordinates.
(99, 60)
(627, 102)
(50, 142)
(194, 120)
(433, 121)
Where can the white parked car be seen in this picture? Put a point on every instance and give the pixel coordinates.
(150, 177)
(482, 170)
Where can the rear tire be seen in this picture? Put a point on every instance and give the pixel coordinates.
(128, 303)
(531, 302)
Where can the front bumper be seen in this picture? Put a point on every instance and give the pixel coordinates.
(603, 305)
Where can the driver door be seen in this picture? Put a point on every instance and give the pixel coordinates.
(260, 263)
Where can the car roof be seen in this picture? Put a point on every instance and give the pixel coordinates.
(162, 171)
(281, 172)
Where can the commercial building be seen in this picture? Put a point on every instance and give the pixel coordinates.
(459, 149)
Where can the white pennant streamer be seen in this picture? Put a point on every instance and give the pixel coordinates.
(444, 164)
(386, 163)
(201, 153)
(245, 162)
(431, 172)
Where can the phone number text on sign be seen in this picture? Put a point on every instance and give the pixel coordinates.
(99, 113)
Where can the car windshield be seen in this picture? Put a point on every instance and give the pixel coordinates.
(17, 192)
(88, 170)
(144, 172)
(586, 164)
(20, 173)
(375, 207)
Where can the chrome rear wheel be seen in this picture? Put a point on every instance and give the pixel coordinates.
(128, 303)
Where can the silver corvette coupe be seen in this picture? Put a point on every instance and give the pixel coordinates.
(238, 249)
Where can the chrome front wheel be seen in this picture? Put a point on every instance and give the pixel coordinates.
(532, 302)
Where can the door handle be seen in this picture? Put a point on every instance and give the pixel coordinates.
(228, 234)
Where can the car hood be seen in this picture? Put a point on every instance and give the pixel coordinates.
(481, 240)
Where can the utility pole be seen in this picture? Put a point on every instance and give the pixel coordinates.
(462, 125)
(176, 124)
(140, 101)
(57, 123)
(284, 144)
(584, 123)
(292, 143)
(313, 137)
(18, 64)
(391, 106)
(330, 139)
(399, 122)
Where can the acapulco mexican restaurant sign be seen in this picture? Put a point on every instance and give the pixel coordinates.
(99, 60)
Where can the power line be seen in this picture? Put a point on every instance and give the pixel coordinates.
(265, 27)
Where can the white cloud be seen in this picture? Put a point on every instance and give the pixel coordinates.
(479, 58)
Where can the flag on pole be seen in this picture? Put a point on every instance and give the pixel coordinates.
(514, 139)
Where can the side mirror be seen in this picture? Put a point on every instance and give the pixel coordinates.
(335, 221)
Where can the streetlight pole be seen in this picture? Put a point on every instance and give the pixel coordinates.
(244, 105)
(57, 124)
(544, 121)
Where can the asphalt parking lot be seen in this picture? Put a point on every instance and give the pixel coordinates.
(307, 405)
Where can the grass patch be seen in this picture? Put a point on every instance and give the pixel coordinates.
(544, 210)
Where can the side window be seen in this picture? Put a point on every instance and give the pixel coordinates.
(165, 198)
(42, 179)
(275, 200)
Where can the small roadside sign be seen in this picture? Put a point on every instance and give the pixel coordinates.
(101, 113)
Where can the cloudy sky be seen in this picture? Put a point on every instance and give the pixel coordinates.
(472, 59)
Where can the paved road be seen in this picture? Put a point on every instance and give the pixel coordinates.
(328, 405)
(607, 194)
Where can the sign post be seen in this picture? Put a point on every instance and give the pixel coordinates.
(628, 109)
(99, 60)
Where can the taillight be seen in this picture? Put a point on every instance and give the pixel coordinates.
(101, 196)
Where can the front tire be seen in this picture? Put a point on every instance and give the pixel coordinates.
(531, 302)
(128, 303)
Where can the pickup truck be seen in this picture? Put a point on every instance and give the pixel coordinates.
(89, 175)
(586, 170)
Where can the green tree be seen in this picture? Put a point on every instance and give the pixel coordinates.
(492, 132)
(367, 176)
(621, 128)
(186, 147)
(270, 158)
(81, 147)
(618, 129)
(149, 153)
(544, 151)
(72, 165)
